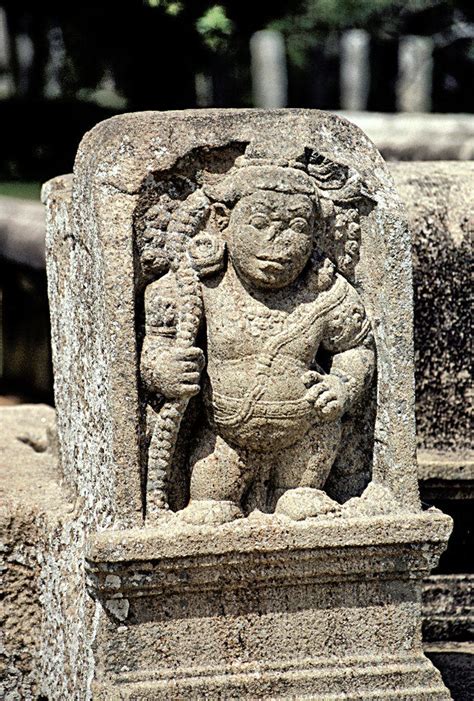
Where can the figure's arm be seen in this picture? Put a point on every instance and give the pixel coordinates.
(349, 341)
(165, 368)
(354, 369)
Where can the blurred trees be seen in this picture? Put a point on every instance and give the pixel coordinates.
(74, 63)
(312, 40)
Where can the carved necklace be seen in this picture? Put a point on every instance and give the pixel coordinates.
(255, 316)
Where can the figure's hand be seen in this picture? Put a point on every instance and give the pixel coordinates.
(174, 372)
(326, 393)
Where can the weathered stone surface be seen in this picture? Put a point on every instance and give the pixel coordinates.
(28, 490)
(121, 170)
(418, 137)
(266, 608)
(440, 210)
(94, 373)
(31, 489)
(47, 615)
(258, 262)
(438, 198)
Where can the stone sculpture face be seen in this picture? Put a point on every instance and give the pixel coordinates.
(270, 237)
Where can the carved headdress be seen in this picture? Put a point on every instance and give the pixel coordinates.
(250, 174)
(330, 180)
(337, 190)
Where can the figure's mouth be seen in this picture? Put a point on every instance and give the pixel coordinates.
(268, 263)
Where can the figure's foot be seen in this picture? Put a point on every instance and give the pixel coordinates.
(305, 502)
(208, 511)
(375, 500)
(157, 517)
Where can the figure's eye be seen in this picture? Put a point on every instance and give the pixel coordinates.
(259, 221)
(300, 225)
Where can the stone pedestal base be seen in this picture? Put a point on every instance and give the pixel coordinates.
(266, 608)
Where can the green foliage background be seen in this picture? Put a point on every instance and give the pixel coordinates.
(153, 50)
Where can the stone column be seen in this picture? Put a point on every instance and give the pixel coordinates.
(204, 90)
(6, 86)
(268, 65)
(355, 70)
(57, 58)
(415, 65)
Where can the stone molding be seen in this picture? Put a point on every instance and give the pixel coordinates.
(357, 679)
(343, 593)
(136, 562)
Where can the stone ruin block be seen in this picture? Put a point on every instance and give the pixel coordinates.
(439, 203)
(32, 507)
(231, 313)
(439, 198)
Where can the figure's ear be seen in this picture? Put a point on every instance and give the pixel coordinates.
(207, 252)
(219, 217)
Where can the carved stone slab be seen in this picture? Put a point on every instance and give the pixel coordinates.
(140, 177)
(231, 301)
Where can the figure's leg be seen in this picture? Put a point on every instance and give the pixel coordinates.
(302, 470)
(219, 477)
(259, 493)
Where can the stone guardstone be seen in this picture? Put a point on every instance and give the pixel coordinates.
(440, 204)
(231, 301)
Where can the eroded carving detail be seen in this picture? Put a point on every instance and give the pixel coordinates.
(259, 262)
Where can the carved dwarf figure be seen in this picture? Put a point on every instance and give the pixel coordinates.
(288, 347)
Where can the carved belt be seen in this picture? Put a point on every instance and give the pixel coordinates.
(227, 408)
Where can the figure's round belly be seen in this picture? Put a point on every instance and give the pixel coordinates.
(259, 406)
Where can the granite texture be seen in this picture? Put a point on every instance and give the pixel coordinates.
(30, 499)
(266, 608)
(47, 616)
(179, 228)
(44, 622)
(121, 169)
(440, 203)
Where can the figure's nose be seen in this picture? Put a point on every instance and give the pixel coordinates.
(272, 230)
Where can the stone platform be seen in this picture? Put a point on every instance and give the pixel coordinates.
(267, 608)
